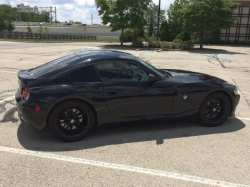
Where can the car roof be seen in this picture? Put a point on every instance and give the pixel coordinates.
(97, 55)
(64, 64)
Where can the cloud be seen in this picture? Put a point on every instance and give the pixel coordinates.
(85, 2)
(164, 3)
(76, 10)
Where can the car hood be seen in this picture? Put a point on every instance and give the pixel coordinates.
(189, 76)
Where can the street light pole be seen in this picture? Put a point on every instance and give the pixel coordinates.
(158, 25)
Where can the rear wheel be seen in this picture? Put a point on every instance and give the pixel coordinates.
(214, 110)
(71, 120)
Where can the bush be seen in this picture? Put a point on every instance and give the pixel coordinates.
(151, 40)
(171, 45)
(236, 42)
(157, 44)
(128, 35)
(228, 42)
(138, 42)
(187, 46)
(195, 41)
(177, 41)
(184, 36)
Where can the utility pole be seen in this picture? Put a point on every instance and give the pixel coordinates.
(55, 16)
(50, 15)
(91, 19)
(158, 25)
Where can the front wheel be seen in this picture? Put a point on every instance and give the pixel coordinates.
(71, 120)
(214, 110)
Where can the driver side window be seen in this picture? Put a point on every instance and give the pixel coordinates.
(121, 72)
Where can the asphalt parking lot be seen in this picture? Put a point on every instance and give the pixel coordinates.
(156, 153)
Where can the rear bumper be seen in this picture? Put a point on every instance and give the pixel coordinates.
(28, 115)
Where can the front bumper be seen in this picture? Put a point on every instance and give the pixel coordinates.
(236, 100)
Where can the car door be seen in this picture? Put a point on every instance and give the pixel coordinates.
(127, 93)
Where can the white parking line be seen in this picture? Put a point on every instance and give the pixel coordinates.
(248, 119)
(246, 93)
(7, 99)
(8, 71)
(122, 167)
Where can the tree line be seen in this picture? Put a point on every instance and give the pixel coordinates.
(186, 19)
(8, 15)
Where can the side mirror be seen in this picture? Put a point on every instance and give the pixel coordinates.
(151, 78)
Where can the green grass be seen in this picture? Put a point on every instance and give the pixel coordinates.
(57, 41)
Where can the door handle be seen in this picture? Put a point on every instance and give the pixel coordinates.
(111, 92)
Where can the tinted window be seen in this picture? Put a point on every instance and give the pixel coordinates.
(86, 74)
(159, 72)
(121, 71)
(54, 65)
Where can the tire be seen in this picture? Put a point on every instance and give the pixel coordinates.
(214, 110)
(71, 121)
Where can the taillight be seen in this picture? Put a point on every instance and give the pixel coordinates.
(26, 93)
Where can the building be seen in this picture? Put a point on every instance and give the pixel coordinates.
(27, 9)
(241, 29)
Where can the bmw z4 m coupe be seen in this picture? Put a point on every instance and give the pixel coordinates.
(74, 93)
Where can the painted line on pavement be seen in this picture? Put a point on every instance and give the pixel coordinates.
(235, 78)
(167, 174)
(245, 93)
(248, 119)
(7, 99)
(8, 71)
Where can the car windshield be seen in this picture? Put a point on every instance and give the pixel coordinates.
(159, 72)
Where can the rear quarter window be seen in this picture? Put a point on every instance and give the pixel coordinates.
(86, 74)
(55, 65)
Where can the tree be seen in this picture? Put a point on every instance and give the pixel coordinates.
(29, 30)
(165, 31)
(204, 16)
(7, 12)
(137, 16)
(6, 17)
(214, 37)
(184, 36)
(78, 22)
(122, 14)
(10, 26)
(2, 25)
(113, 12)
(46, 30)
(152, 17)
(40, 29)
(176, 20)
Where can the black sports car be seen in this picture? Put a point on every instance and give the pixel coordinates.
(74, 93)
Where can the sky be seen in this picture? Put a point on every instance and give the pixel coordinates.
(76, 10)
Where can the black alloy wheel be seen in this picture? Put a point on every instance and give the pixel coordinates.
(215, 109)
(71, 120)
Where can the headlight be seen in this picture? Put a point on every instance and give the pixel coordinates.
(236, 91)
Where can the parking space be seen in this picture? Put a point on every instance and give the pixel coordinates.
(156, 153)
